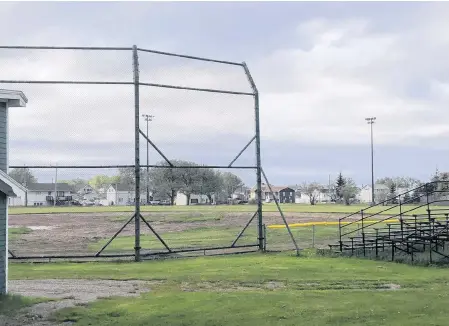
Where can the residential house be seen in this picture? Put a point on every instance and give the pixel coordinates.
(88, 193)
(287, 196)
(242, 193)
(267, 196)
(19, 190)
(381, 192)
(43, 194)
(323, 195)
(123, 194)
(195, 199)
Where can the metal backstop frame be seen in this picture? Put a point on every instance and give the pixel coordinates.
(137, 216)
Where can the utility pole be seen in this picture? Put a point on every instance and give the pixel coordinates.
(56, 187)
(148, 118)
(370, 121)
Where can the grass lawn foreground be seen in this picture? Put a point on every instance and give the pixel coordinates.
(259, 289)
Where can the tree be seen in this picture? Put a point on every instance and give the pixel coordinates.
(127, 176)
(339, 185)
(189, 179)
(102, 181)
(231, 183)
(211, 182)
(164, 182)
(400, 182)
(24, 176)
(407, 198)
(392, 195)
(349, 191)
(312, 190)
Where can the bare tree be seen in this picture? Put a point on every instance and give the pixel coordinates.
(312, 190)
(349, 191)
(23, 176)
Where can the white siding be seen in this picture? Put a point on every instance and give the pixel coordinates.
(122, 197)
(3, 244)
(3, 203)
(181, 199)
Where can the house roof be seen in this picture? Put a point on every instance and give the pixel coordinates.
(6, 189)
(5, 177)
(122, 187)
(265, 188)
(50, 187)
(13, 98)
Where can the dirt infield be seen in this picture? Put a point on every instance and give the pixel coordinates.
(73, 233)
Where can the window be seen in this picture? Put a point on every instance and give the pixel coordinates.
(49, 193)
(60, 193)
(194, 201)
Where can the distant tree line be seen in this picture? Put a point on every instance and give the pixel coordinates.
(164, 182)
(343, 190)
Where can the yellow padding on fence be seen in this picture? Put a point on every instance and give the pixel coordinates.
(295, 225)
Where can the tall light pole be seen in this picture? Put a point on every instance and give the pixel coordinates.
(370, 121)
(148, 118)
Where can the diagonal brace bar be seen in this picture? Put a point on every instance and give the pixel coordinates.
(12, 254)
(244, 229)
(115, 235)
(282, 213)
(156, 234)
(241, 152)
(155, 147)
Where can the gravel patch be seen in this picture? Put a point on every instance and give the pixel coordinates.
(66, 293)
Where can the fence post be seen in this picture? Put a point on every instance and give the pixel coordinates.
(264, 238)
(339, 235)
(136, 154)
(313, 236)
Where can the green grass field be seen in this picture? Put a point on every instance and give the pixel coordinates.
(224, 236)
(259, 289)
(289, 208)
(15, 233)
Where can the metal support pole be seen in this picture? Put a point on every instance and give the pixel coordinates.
(148, 169)
(136, 154)
(148, 118)
(258, 157)
(264, 238)
(244, 229)
(371, 122)
(56, 187)
(276, 201)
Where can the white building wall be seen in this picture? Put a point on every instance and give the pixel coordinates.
(20, 199)
(181, 199)
(122, 197)
(37, 198)
(305, 199)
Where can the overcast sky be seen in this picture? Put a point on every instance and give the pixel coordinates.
(321, 68)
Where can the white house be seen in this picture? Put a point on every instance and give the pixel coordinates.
(43, 194)
(8, 99)
(181, 199)
(320, 197)
(19, 190)
(122, 194)
(88, 193)
(381, 192)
